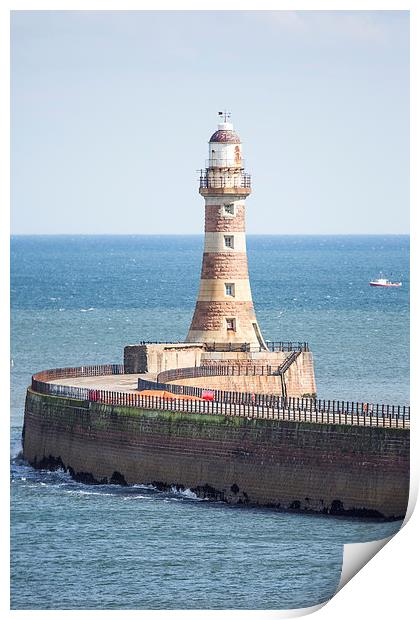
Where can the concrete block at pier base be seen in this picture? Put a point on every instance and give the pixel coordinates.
(155, 358)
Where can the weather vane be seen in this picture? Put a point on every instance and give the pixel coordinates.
(226, 115)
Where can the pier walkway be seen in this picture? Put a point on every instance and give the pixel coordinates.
(109, 385)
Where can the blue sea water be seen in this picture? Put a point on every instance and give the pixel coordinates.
(79, 300)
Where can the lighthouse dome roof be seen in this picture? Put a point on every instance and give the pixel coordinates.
(225, 134)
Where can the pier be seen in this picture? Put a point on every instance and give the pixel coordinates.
(300, 454)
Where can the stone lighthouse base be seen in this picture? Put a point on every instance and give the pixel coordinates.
(288, 372)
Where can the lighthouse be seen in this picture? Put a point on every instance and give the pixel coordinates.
(224, 312)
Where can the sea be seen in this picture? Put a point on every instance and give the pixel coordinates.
(78, 300)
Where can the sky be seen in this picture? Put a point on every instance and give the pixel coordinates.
(111, 113)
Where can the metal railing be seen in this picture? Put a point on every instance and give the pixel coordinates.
(351, 412)
(240, 181)
(228, 370)
(272, 346)
(288, 362)
(223, 370)
(79, 371)
(40, 381)
(268, 407)
(286, 346)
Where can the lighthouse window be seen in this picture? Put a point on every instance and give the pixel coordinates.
(229, 241)
(230, 290)
(229, 209)
(231, 325)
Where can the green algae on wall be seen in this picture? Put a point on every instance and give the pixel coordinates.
(293, 465)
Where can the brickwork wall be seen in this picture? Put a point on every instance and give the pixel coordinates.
(210, 315)
(324, 468)
(224, 265)
(215, 222)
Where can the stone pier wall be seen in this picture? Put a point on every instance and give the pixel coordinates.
(335, 469)
(241, 383)
(299, 378)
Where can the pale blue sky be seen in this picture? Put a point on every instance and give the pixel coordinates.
(112, 112)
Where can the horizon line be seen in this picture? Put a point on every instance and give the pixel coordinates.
(366, 234)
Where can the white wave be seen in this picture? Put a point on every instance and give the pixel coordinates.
(143, 486)
(136, 497)
(86, 309)
(184, 493)
(80, 492)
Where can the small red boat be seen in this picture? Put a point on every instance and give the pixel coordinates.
(384, 282)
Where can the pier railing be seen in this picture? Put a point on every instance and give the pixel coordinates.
(269, 407)
(310, 404)
(77, 371)
(234, 370)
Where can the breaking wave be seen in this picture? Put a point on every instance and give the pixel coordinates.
(60, 481)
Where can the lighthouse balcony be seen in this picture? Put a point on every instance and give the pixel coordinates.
(239, 184)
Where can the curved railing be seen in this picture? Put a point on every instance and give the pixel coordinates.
(222, 370)
(230, 370)
(41, 380)
(251, 406)
(80, 371)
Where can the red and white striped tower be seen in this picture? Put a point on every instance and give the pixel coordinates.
(224, 312)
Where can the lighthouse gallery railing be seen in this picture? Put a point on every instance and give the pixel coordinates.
(218, 182)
